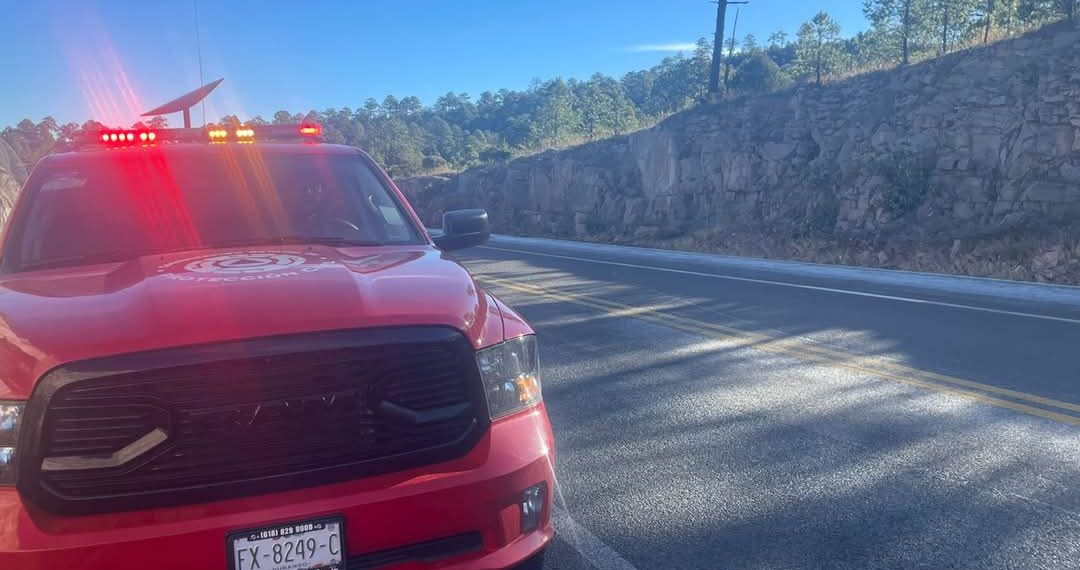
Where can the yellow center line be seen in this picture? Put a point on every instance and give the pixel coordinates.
(875, 367)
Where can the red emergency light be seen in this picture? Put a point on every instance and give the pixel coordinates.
(128, 137)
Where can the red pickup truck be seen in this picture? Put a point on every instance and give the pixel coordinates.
(240, 349)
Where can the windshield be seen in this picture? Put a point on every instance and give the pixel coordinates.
(118, 207)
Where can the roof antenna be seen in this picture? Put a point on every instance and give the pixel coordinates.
(198, 49)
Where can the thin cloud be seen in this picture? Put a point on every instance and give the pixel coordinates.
(671, 47)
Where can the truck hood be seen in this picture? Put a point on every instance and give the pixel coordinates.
(52, 317)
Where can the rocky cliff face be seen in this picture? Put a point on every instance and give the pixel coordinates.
(12, 176)
(936, 160)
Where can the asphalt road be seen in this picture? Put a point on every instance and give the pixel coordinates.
(723, 416)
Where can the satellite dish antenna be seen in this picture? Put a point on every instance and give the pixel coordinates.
(184, 103)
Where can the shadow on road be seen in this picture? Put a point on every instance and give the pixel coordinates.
(1028, 355)
(684, 451)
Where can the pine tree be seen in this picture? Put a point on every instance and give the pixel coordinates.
(817, 47)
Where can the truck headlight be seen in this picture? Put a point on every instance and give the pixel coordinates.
(511, 375)
(10, 416)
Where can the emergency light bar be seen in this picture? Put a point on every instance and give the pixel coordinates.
(119, 138)
(244, 133)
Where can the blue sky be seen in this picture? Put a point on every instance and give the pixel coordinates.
(111, 59)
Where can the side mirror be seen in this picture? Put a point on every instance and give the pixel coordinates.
(463, 228)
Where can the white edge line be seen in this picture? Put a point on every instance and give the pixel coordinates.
(797, 286)
(591, 548)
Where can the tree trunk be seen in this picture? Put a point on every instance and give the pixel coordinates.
(989, 19)
(905, 33)
(945, 30)
(817, 61)
(731, 51)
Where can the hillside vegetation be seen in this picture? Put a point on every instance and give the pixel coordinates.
(459, 131)
(967, 163)
(12, 176)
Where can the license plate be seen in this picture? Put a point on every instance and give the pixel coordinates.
(306, 545)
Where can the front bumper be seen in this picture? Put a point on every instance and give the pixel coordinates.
(477, 494)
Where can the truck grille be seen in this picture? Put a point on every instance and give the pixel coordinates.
(186, 425)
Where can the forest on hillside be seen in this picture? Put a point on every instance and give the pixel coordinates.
(458, 131)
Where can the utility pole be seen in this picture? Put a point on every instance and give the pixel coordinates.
(718, 45)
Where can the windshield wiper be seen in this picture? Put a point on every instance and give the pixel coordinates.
(118, 256)
(88, 259)
(291, 240)
(329, 240)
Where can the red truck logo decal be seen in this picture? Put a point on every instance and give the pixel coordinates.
(243, 266)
